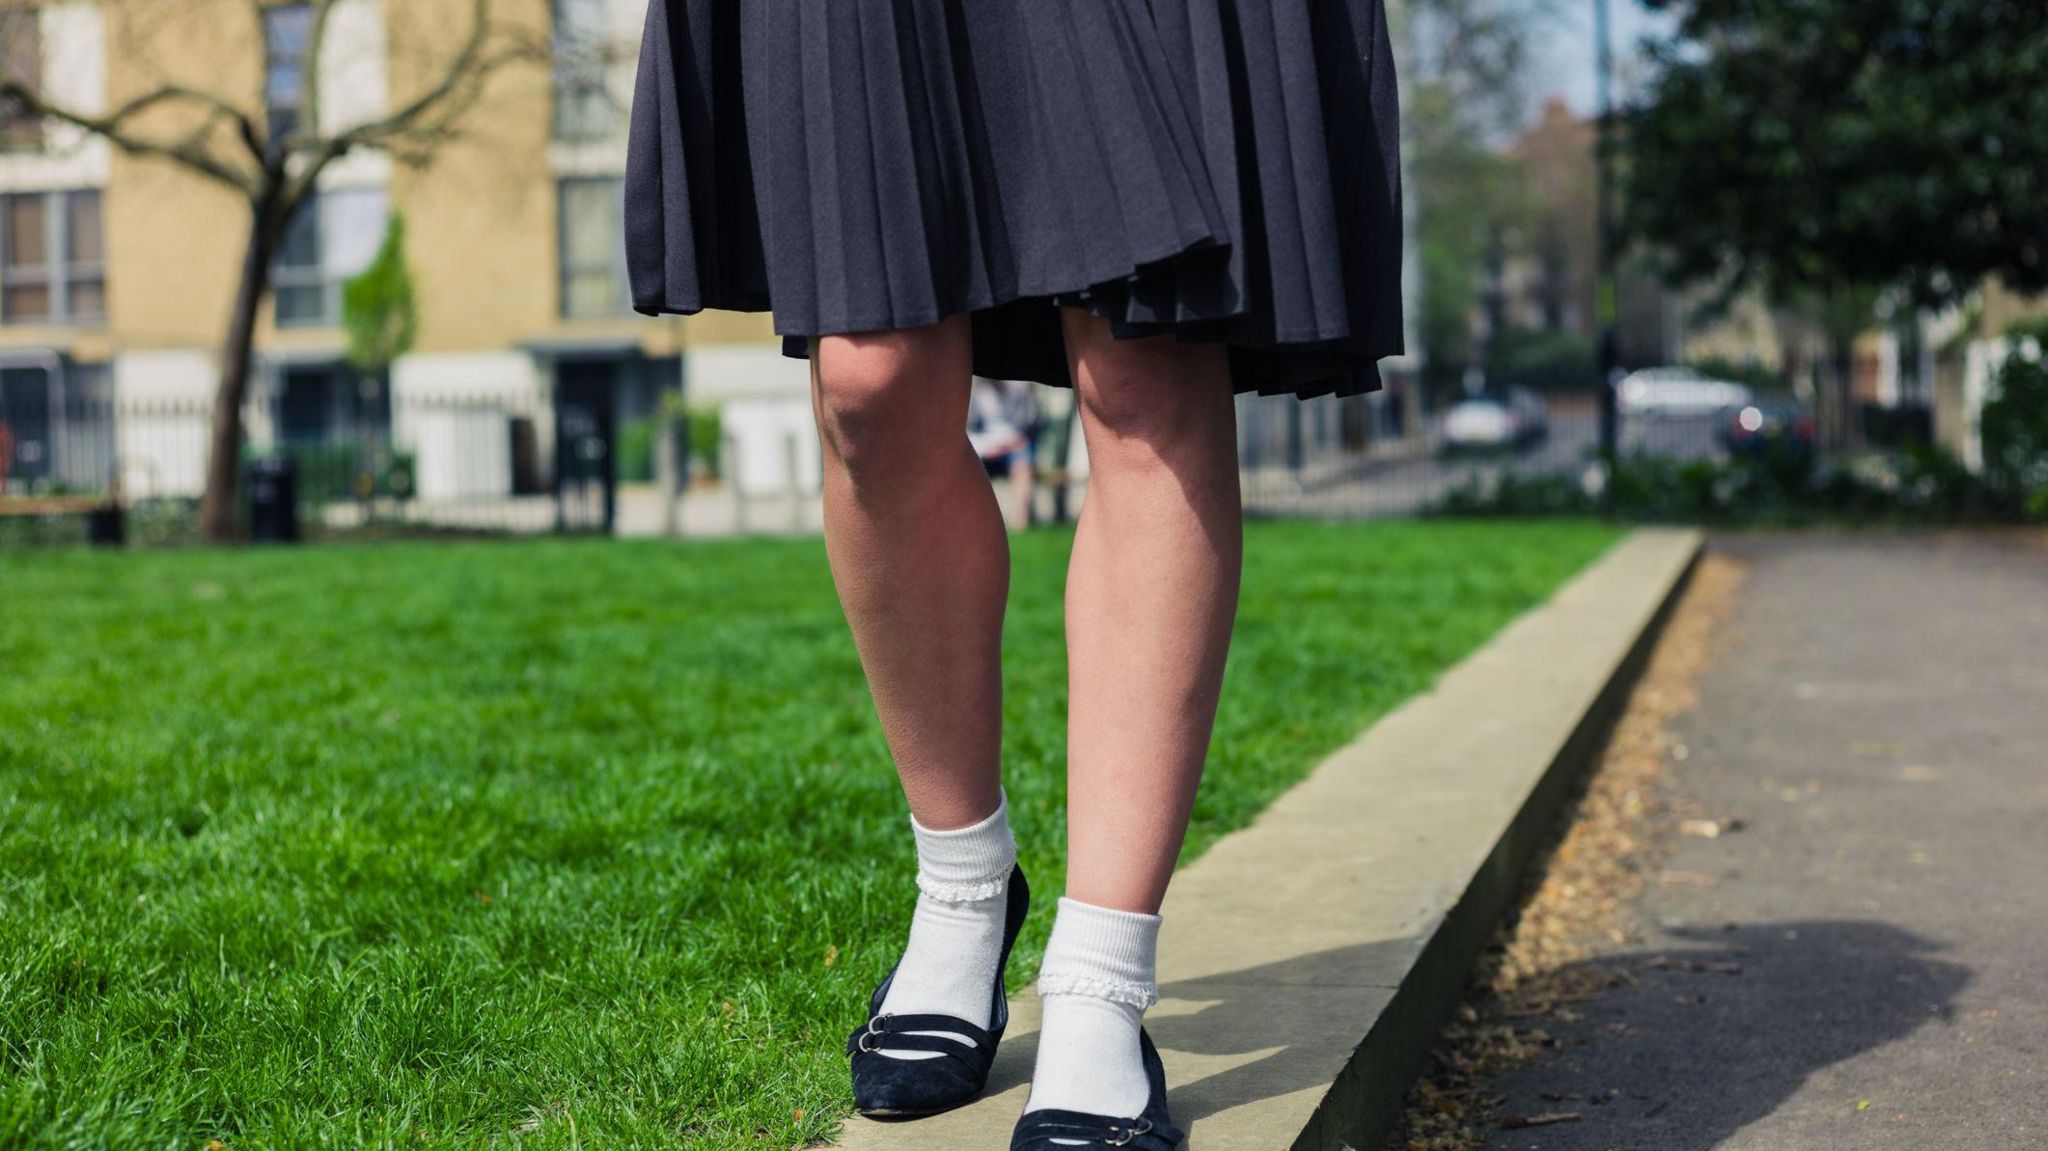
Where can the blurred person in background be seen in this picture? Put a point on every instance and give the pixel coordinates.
(1003, 425)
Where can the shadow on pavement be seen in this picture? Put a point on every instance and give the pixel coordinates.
(1719, 1030)
(1277, 1022)
(1259, 1015)
(1702, 1038)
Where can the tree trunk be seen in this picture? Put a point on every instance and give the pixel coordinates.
(217, 519)
(1843, 354)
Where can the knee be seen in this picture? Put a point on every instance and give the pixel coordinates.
(1128, 404)
(1146, 404)
(865, 399)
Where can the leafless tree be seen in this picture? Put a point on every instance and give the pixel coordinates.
(274, 169)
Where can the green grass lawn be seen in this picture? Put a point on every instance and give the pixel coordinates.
(553, 844)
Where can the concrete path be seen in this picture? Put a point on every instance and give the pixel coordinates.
(1880, 726)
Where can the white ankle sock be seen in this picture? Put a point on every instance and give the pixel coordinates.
(1096, 982)
(956, 936)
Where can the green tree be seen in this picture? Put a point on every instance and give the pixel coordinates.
(381, 315)
(2014, 424)
(1835, 152)
(1467, 88)
(378, 306)
(1467, 195)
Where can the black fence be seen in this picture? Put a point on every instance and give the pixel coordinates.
(517, 461)
(83, 465)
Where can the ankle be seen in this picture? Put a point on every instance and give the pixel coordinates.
(1102, 953)
(954, 955)
(1096, 982)
(967, 864)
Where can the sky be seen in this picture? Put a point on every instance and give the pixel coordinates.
(1565, 66)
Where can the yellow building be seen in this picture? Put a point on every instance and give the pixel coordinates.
(117, 272)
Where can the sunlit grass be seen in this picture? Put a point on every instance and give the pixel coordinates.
(553, 844)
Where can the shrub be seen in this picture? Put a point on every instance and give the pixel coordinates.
(636, 450)
(707, 437)
(1918, 485)
(704, 429)
(2014, 426)
(1755, 376)
(1543, 361)
(1518, 495)
(332, 472)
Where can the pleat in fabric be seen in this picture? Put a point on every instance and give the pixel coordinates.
(1220, 170)
(693, 240)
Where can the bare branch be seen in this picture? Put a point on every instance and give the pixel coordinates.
(429, 118)
(192, 150)
(411, 132)
(460, 71)
(217, 110)
(315, 42)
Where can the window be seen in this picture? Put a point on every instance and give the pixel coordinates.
(287, 36)
(52, 258)
(316, 404)
(594, 247)
(61, 424)
(21, 58)
(332, 238)
(584, 112)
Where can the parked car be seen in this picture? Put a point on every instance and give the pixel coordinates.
(1669, 393)
(1767, 422)
(1515, 418)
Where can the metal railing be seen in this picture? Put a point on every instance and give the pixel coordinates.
(499, 462)
(522, 461)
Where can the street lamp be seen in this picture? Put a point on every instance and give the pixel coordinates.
(1606, 305)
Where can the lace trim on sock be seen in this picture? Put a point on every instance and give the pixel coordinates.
(1124, 991)
(963, 892)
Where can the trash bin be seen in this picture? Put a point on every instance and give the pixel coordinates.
(106, 526)
(273, 486)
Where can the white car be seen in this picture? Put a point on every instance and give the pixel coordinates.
(1677, 392)
(1489, 422)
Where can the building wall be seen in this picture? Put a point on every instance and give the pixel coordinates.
(481, 220)
(74, 70)
(173, 239)
(484, 222)
(2004, 307)
(1743, 331)
(1553, 280)
(484, 239)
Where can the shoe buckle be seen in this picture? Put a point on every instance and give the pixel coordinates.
(1129, 1133)
(874, 1030)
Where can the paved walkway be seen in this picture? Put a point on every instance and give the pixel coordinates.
(1880, 726)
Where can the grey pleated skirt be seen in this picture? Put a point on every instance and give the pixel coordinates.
(1220, 170)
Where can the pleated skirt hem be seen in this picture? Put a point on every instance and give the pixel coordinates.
(1218, 171)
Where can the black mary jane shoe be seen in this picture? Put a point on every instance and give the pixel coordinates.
(1056, 1130)
(890, 1088)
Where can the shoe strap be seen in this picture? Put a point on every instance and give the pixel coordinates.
(1052, 1129)
(956, 1037)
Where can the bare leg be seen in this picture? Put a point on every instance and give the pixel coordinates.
(1021, 476)
(922, 564)
(919, 556)
(1151, 597)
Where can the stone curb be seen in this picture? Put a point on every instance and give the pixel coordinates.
(1308, 961)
